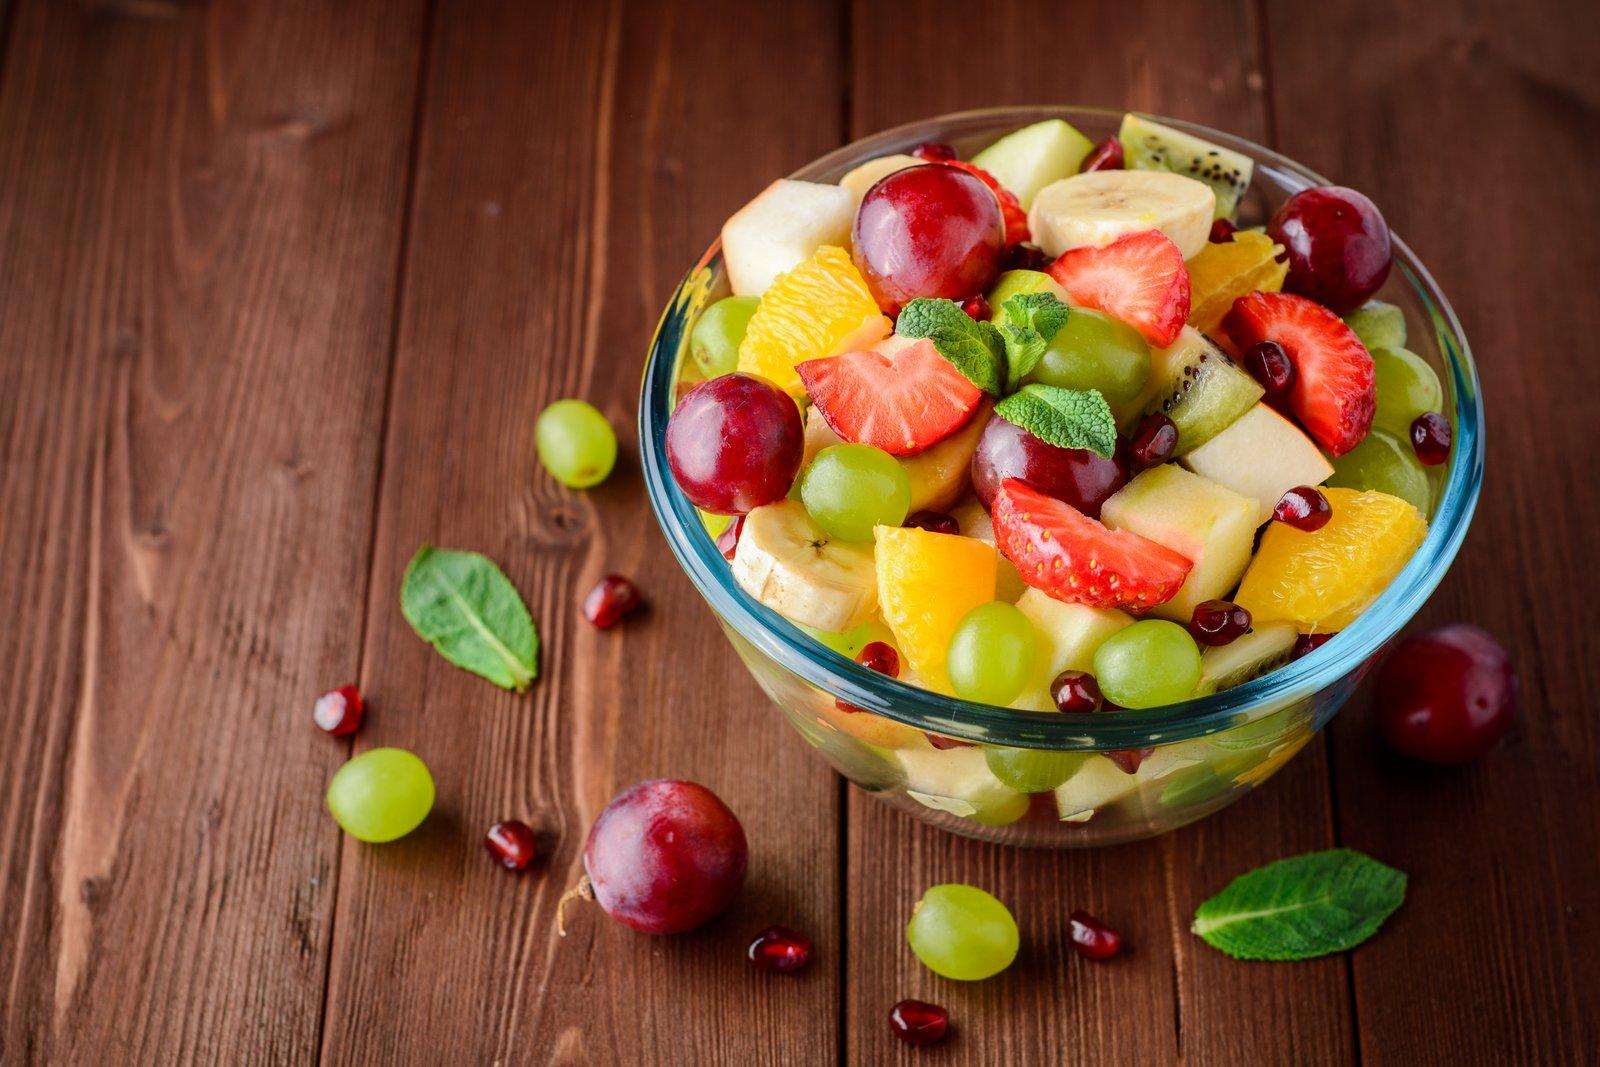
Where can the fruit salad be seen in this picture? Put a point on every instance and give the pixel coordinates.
(1057, 429)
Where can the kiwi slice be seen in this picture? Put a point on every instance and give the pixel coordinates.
(1148, 145)
(1200, 389)
(1265, 648)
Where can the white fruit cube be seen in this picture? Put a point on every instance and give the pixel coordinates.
(1212, 527)
(1099, 783)
(781, 229)
(958, 780)
(1065, 639)
(1026, 160)
(1262, 456)
(870, 173)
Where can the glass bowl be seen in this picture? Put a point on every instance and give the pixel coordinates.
(924, 752)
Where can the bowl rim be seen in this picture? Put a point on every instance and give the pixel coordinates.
(780, 640)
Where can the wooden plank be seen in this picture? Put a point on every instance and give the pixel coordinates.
(574, 161)
(198, 232)
(1474, 131)
(1168, 995)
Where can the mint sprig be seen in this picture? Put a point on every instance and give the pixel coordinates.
(1301, 907)
(975, 348)
(1066, 418)
(1032, 321)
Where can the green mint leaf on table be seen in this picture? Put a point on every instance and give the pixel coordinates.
(974, 347)
(1024, 349)
(1066, 418)
(464, 606)
(1301, 907)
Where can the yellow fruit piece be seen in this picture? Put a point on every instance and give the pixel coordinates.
(820, 308)
(1221, 273)
(927, 582)
(1321, 581)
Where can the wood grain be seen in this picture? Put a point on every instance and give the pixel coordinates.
(573, 162)
(199, 216)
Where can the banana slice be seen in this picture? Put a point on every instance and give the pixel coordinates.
(788, 563)
(1094, 209)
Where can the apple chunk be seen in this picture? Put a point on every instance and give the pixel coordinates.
(1262, 456)
(781, 229)
(1066, 636)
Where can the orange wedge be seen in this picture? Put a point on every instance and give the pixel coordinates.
(927, 582)
(820, 308)
(1221, 273)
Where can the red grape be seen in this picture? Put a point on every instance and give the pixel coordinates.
(928, 231)
(735, 443)
(1446, 695)
(1338, 245)
(1078, 476)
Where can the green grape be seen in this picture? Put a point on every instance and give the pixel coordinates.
(849, 489)
(998, 807)
(380, 795)
(961, 932)
(1029, 770)
(575, 443)
(714, 341)
(991, 654)
(1018, 283)
(1383, 463)
(851, 642)
(1378, 325)
(1406, 387)
(1095, 351)
(1151, 663)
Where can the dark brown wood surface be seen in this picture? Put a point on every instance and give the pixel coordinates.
(282, 290)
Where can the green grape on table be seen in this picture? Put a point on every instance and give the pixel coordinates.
(575, 443)
(1406, 387)
(1147, 665)
(961, 932)
(1030, 770)
(1385, 464)
(1095, 351)
(381, 794)
(991, 654)
(849, 643)
(714, 341)
(849, 489)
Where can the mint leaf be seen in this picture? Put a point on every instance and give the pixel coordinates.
(1024, 349)
(1043, 312)
(974, 347)
(464, 606)
(1301, 907)
(1066, 418)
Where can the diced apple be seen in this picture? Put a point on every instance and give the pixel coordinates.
(1262, 456)
(1066, 636)
(1099, 783)
(1211, 526)
(870, 173)
(958, 780)
(782, 228)
(1026, 160)
(975, 522)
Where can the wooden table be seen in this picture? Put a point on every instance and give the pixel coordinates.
(283, 287)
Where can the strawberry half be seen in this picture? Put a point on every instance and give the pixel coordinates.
(1138, 278)
(1061, 551)
(902, 402)
(1016, 219)
(1333, 394)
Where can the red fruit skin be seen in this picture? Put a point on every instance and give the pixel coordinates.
(1107, 155)
(1333, 393)
(513, 844)
(612, 598)
(1446, 695)
(918, 1023)
(902, 403)
(1016, 219)
(728, 539)
(1078, 476)
(735, 443)
(780, 950)
(928, 231)
(1338, 244)
(665, 856)
(1092, 938)
(339, 712)
(1139, 278)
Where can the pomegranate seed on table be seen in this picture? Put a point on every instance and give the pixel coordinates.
(1306, 644)
(1218, 622)
(612, 598)
(780, 949)
(513, 844)
(1075, 691)
(1271, 367)
(339, 712)
(1107, 155)
(728, 539)
(1093, 938)
(916, 1022)
(1430, 438)
(876, 656)
(1446, 695)
(1305, 508)
(976, 308)
(934, 522)
(1154, 441)
(1222, 231)
(933, 151)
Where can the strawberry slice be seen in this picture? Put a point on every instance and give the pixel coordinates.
(1016, 219)
(1138, 278)
(901, 402)
(1333, 394)
(1060, 550)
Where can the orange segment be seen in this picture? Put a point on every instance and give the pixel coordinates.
(1221, 273)
(1321, 581)
(820, 308)
(927, 582)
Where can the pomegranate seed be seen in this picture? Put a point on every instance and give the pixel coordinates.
(1222, 231)
(610, 600)
(944, 743)
(976, 308)
(916, 1022)
(1107, 155)
(339, 712)
(1075, 691)
(780, 949)
(1128, 759)
(1024, 256)
(1093, 938)
(934, 522)
(933, 151)
(728, 539)
(1430, 438)
(1305, 508)
(1269, 364)
(1154, 441)
(876, 656)
(1306, 644)
(1218, 622)
(512, 844)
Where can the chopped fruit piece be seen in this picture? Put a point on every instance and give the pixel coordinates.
(938, 475)
(1264, 649)
(1323, 580)
(1261, 456)
(728, 539)
(513, 844)
(961, 932)
(870, 173)
(1338, 244)
(1195, 518)
(934, 522)
(918, 1023)
(1139, 278)
(1430, 438)
(787, 562)
(1102, 782)
(1305, 508)
(877, 656)
(780, 950)
(1076, 692)
(1149, 145)
(953, 776)
(1446, 695)
(734, 443)
(927, 583)
(1092, 938)
(1095, 209)
(820, 308)
(1029, 159)
(1270, 365)
(1196, 385)
(1060, 550)
(1218, 622)
(934, 152)
(1011, 212)
(973, 518)
(339, 712)
(1065, 637)
(902, 403)
(1222, 273)
(611, 598)
(928, 231)
(1148, 665)
(1107, 155)
(1306, 644)
(781, 229)
(1379, 325)
(1333, 394)
(1222, 230)
(1153, 442)
(1076, 475)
